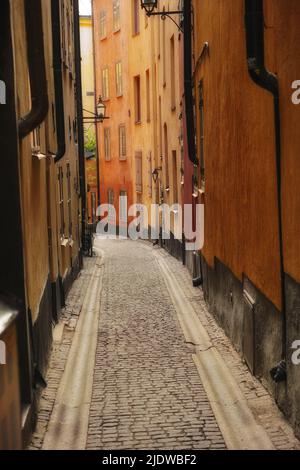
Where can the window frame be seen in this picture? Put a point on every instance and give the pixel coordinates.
(201, 133)
(116, 14)
(122, 156)
(136, 21)
(119, 78)
(139, 171)
(123, 193)
(69, 200)
(172, 73)
(61, 201)
(137, 100)
(107, 149)
(103, 25)
(148, 96)
(105, 83)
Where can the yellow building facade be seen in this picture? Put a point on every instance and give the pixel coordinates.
(40, 181)
(154, 65)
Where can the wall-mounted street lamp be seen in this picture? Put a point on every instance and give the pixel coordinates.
(99, 115)
(155, 174)
(150, 5)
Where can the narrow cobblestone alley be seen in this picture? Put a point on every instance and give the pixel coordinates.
(146, 391)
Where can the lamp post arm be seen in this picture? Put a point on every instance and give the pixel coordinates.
(90, 112)
(167, 14)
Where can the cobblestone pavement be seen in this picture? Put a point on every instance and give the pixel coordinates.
(258, 398)
(147, 391)
(61, 347)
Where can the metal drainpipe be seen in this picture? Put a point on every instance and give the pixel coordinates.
(189, 105)
(188, 82)
(58, 83)
(37, 69)
(254, 21)
(96, 98)
(80, 118)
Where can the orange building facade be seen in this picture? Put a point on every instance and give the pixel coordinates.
(111, 26)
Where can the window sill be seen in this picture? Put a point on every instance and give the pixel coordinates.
(115, 31)
(103, 38)
(138, 123)
(64, 242)
(40, 156)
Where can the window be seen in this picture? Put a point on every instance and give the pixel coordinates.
(119, 79)
(148, 95)
(138, 172)
(69, 200)
(122, 142)
(93, 204)
(175, 180)
(164, 50)
(36, 139)
(111, 201)
(137, 99)
(63, 32)
(70, 35)
(61, 201)
(136, 17)
(159, 25)
(105, 84)
(103, 31)
(150, 174)
(70, 129)
(166, 156)
(107, 153)
(116, 15)
(201, 119)
(160, 129)
(172, 70)
(123, 206)
(75, 130)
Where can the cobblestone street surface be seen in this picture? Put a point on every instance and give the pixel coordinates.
(147, 392)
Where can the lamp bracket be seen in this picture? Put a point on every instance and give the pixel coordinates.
(168, 14)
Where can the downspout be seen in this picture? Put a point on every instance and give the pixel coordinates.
(58, 83)
(254, 21)
(96, 98)
(188, 82)
(37, 69)
(189, 106)
(80, 118)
